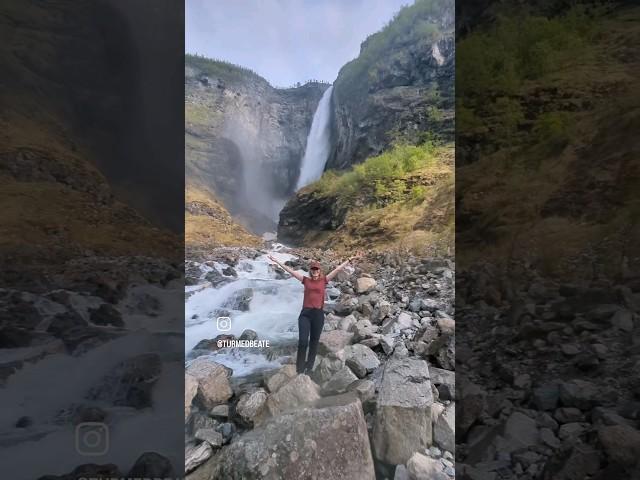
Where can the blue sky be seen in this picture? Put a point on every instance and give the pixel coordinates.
(285, 41)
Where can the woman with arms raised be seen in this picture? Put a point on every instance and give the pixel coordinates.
(311, 319)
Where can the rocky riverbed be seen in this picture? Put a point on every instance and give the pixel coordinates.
(89, 358)
(547, 376)
(380, 402)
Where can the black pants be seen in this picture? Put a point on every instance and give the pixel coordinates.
(310, 323)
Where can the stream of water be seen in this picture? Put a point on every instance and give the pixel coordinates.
(272, 313)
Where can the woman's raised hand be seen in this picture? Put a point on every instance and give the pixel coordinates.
(273, 259)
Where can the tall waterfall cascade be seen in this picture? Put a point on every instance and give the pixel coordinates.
(317, 149)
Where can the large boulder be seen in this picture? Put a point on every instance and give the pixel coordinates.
(326, 441)
(361, 360)
(297, 393)
(213, 382)
(402, 423)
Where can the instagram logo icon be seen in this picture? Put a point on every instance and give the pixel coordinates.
(92, 438)
(223, 324)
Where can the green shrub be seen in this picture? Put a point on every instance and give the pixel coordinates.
(553, 130)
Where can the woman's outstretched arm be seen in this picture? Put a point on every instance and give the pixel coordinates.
(291, 271)
(335, 271)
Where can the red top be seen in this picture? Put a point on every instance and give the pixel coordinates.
(314, 292)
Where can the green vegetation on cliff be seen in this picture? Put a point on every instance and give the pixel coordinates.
(540, 101)
(403, 199)
(229, 72)
(412, 25)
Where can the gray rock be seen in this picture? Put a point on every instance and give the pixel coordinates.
(251, 405)
(364, 389)
(444, 429)
(445, 381)
(297, 393)
(361, 360)
(402, 420)
(401, 473)
(196, 455)
(209, 435)
(339, 382)
(334, 341)
(275, 380)
(213, 382)
(421, 467)
(579, 393)
(328, 440)
(520, 431)
(365, 284)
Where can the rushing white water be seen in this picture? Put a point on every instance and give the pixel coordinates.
(272, 313)
(317, 150)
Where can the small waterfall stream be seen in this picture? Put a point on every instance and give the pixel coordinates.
(317, 150)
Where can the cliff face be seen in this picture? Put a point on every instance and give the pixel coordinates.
(72, 119)
(244, 138)
(400, 86)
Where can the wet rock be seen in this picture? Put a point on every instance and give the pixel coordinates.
(249, 334)
(240, 300)
(130, 383)
(402, 420)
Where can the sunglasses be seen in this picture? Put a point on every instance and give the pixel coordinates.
(314, 268)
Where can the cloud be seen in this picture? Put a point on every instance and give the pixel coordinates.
(285, 41)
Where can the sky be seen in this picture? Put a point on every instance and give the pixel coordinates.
(285, 41)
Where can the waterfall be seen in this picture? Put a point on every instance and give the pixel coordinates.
(317, 150)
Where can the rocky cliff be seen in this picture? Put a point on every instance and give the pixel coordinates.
(244, 138)
(401, 86)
